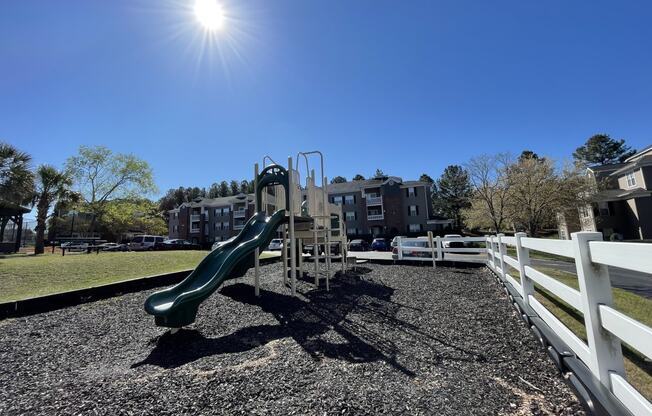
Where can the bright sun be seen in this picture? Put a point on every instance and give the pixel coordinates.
(210, 14)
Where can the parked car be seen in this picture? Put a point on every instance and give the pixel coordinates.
(358, 245)
(395, 240)
(275, 244)
(177, 244)
(453, 244)
(144, 242)
(115, 247)
(74, 246)
(310, 248)
(219, 243)
(380, 244)
(421, 242)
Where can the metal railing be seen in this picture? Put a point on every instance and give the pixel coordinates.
(374, 200)
(239, 213)
(195, 217)
(375, 217)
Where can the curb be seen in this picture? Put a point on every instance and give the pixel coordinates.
(47, 303)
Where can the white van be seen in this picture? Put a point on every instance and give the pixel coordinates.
(145, 242)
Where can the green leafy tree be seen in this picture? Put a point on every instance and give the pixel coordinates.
(234, 187)
(426, 178)
(244, 186)
(338, 179)
(358, 177)
(452, 193)
(601, 149)
(52, 186)
(538, 191)
(16, 179)
(101, 175)
(528, 154)
(128, 215)
(214, 190)
(224, 189)
(379, 173)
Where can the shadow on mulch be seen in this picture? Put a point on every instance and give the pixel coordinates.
(306, 321)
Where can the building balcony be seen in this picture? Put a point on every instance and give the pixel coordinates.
(375, 217)
(195, 230)
(195, 217)
(374, 200)
(238, 226)
(240, 213)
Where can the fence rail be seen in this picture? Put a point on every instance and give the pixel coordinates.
(606, 327)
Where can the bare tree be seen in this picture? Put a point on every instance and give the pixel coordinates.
(487, 174)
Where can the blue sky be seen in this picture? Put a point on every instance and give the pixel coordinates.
(408, 87)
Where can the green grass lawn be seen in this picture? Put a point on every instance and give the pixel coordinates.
(638, 369)
(25, 276)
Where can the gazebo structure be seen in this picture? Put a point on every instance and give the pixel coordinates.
(14, 213)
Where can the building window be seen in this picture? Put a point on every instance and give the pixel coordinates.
(350, 215)
(349, 199)
(337, 200)
(414, 228)
(225, 226)
(411, 191)
(352, 231)
(225, 211)
(631, 180)
(175, 228)
(413, 211)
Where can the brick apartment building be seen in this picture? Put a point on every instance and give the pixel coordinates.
(375, 207)
(207, 220)
(387, 207)
(624, 205)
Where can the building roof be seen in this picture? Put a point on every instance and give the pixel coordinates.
(643, 160)
(646, 151)
(7, 208)
(620, 194)
(216, 202)
(356, 186)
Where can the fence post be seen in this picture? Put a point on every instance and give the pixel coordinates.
(490, 241)
(523, 258)
(432, 249)
(399, 245)
(595, 290)
(501, 253)
(440, 251)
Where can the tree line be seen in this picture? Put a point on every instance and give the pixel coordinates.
(500, 192)
(106, 187)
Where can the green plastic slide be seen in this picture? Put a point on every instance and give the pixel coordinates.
(177, 306)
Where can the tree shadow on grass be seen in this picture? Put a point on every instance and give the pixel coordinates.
(308, 322)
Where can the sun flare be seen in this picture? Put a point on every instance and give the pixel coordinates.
(210, 14)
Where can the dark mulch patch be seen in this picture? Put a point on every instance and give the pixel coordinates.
(388, 339)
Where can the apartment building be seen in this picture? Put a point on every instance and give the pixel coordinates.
(386, 207)
(623, 206)
(207, 220)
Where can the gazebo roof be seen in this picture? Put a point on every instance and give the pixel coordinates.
(7, 208)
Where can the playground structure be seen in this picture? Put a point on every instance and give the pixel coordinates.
(306, 218)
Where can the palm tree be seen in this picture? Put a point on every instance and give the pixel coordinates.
(52, 186)
(16, 179)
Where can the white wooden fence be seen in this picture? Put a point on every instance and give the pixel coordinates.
(438, 248)
(606, 327)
